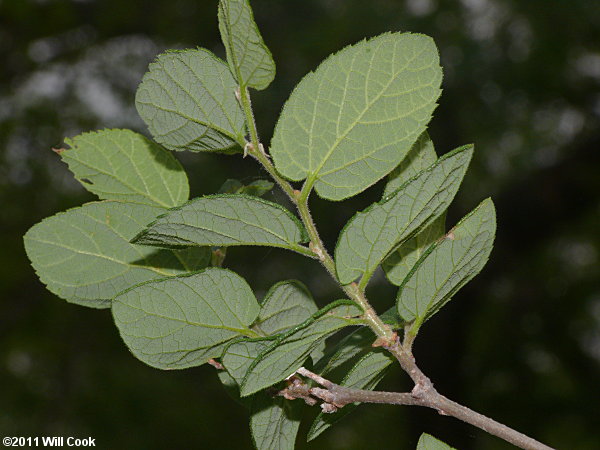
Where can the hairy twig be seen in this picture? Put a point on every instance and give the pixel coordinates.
(334, 396)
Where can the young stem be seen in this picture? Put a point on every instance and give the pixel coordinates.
(255, 149)
(423, 393)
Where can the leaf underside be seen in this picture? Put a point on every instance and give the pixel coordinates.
(225, 220)
(420, 156)
(428, 442)
(84, 256)
(448, 264)
(187, 99)
(286, 304)
(249, 58)
(398, 265)
(286, 354)
(372, 234)
(184, 321)
(274, 422)
(399, 262)
(353, 119)
(257, 188)
(357, 342)
(123, 165)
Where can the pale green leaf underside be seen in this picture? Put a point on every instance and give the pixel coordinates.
(225, 220)
(420, 157)
(183, 321)
(398, 264)
(123, 165)
(187, 99)
(287, 354)
(274, 422)
(365, 374)
(356, 343)
(257, 188)
(286, 305)
(84, 256)
(448, 264)
(194, 258)
(249, 58)
(370, 235)
(354, 119)
(345, 350)
(428, 442)
(240, 354)
(401, 261)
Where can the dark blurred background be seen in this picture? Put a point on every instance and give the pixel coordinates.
(521, 343)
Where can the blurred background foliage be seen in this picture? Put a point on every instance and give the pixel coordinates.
(521, 343)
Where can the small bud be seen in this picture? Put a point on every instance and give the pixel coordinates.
(317, 251)
(216, 364)
(248, 148)
(328, 408)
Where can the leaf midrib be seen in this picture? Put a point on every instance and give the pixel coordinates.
(242, 331)
(312, 178)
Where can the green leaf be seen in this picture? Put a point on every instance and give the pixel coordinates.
(194, 258)
(257, 188)
(274, 422)
(398, 264)
(370, 236)
(184, 321)
(353, 119)
(187, 99)
(287, 304)
(84, 256)
(226, 220)
(288, 352)
(448, 265)
(420, 157)
(249, 58)
(239, 355)
(428, 442)
(123, 165)
(367, 372)
(391, 318)
(356, 343)
(231, 186)
(345, 350)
